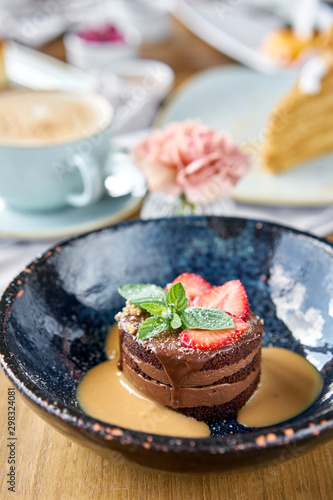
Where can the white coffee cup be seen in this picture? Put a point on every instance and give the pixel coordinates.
(53, 147)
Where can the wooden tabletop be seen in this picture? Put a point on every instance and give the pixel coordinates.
(49, 466)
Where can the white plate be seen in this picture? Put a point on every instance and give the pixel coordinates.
(239, 100)
(239, 28)
(72, 221)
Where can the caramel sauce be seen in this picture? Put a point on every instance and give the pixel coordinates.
(106, 394)
(289, 384)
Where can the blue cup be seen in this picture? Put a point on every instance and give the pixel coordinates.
(50, 176)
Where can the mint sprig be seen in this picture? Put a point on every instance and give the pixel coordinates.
(153, 326)
(207, 318)
(176, 297)
(170, 310)
(139, 294)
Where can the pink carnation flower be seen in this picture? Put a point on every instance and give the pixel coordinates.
(191, 158)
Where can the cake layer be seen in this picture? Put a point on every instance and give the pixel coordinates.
(153, 351)
(211, 414)
(301, 146)
(188, 397)
(300, 128)
(193, 379)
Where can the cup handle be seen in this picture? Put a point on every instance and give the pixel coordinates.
(92, 181)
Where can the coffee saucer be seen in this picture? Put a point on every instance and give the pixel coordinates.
(74, 221)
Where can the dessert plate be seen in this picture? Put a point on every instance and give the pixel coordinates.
(239, 28)
(239, 100)
(55, 315)
(69, 221)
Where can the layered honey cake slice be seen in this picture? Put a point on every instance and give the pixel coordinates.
(201, 356)
(301, 125)
(3, 76)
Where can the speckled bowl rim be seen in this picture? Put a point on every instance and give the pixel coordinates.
(287, 433)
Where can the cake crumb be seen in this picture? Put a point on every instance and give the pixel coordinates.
(132, 309)
(128, 310)
(131, 329)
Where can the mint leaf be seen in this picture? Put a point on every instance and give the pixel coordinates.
(206, 318)
(177, 297)
(156, 309)
(169, 310)
(140, 294)
(153, 326)
(176, 321)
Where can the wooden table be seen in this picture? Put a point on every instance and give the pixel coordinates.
(50, 466)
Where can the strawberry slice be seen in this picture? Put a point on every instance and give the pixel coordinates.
(194, 285)
(231, 297)
(212, 339)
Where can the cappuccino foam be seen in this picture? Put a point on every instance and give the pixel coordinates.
(32, 118)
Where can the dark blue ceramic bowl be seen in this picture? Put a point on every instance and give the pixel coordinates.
(55, 315)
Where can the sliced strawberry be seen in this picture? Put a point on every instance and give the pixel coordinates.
(194, 285)
(212, 339)
(230, 297)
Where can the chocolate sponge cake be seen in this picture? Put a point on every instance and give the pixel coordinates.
(205, 383)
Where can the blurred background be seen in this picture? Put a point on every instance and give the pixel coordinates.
(108, 39)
